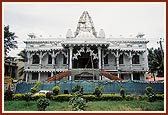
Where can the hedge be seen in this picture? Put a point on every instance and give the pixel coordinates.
(90, 97)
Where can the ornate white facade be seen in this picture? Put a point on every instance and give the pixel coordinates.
(85, 54)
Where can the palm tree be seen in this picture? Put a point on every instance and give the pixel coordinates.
(155, 61)
(23, 58)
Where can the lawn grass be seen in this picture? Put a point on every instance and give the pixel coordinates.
(134, 105)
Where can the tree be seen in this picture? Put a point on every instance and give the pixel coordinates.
(155, 61)
(23, 58)
(9, 40)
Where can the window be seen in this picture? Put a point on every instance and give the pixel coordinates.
(64, 60)
(135, 59)
(35, 76)
(106, 59)
(49, 59)
(36, 59)
(136, 76)
(49, 74)
(121, 59)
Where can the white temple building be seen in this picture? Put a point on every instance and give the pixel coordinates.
(85, 54)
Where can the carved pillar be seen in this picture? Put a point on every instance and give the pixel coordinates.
(40, 56)
(39, 76)
(28, 58)
(99, 55)
(102, 59)
(53, 58)
(70, 57)
(117, 56)
(27, 76)
(131, 76)
(130, 57)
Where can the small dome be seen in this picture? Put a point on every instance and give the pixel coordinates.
(69, 34)
(101, 34)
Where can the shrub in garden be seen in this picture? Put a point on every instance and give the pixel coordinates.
(8, 93)
(61, 97)
(56, 90)
(37, 96)
(150, 93)
(98, 91)
(49, 95)
(77, 88)
(27, 97)
(35, 87)
(42, 104)
(77, 102)
(18, 96)
(122, 92)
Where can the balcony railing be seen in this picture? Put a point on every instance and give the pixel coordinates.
(48, 66)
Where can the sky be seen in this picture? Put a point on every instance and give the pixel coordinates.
(54, 19)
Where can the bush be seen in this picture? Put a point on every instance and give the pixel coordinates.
(49, 95)
(129, 97)
(90, 98)
(77, 102)
(35, 87)
(27, 97)
(37, 96)
(122, 92)
(76, 88)
(111, 97)
(8, 93)
(150, 94)
(98, 91)
(42, 103)
(18, 96)
(159, 96)
(56, 90)
(61, 97)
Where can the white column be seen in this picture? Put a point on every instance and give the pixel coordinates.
(70, 58)
(26, 76)
(99, 55)
(117, 56)
(51, 74)
(39, 76)
(102, 59)
(53, 58)
(40, 56)
(130, 57)
(28, 58)
(131, 76)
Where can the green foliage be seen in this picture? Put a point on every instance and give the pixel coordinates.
(35, 87)
(155, 61)
(49, 95)
(27, 97)
(98, 91)
(159, 96)
(8, 93)
(129, 97)
(37, 96)
(76, 88)
(110, 97)
(122, 92)
(61, 97)
(42, 103)
(18, 96)
(9, 40)
(77, 102)
(150, 93)
(56, 90)
(90, 97)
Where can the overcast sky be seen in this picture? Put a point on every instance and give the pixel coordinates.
(54, 19)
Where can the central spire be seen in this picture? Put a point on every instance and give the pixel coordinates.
(85, 24)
